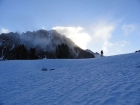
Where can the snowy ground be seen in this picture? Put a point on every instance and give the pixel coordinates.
(111, 80)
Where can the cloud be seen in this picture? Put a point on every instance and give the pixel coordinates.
(3, 30)
(123, 43)
(128, 28)
(44, 28)
(76, 34)
(118, 47)
(101, 35)
(97, 38)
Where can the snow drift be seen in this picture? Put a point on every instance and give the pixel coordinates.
(110, 80)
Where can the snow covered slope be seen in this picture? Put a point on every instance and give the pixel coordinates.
(111, 80)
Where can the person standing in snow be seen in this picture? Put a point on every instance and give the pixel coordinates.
(102, 53)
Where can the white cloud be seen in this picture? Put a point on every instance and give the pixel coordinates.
(102, 35)
(118, 47)
(76, 34)
(100, 38)
(102, 32)
(123, 43)
(128, 28)
(3, 30)
(43, 28)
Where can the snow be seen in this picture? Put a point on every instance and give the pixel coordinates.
(97, 55)
(50, 33)
(113, 80)
(2, 54)
(12, 47)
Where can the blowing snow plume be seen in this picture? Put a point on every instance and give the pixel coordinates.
(41, 42)
(76, 34)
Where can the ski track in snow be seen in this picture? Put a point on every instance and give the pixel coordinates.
(113, 80)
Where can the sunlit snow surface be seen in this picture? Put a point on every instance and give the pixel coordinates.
(111, 80)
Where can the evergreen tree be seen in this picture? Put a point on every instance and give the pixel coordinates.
(62, 51)
(32, 54)
(21, 52)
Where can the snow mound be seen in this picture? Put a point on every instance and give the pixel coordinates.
(111, 80)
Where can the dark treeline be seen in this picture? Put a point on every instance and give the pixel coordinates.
(19, 52)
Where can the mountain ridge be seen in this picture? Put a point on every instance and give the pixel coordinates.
(44, 43)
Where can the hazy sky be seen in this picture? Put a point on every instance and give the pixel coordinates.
(111, 25)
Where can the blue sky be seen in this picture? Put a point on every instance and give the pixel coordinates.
(111, 25)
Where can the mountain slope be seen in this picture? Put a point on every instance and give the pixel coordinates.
(44, 43)
(110, 80)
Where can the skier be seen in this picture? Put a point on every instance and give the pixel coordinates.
(102, 53)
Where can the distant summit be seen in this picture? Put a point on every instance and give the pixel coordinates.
(38, 45)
